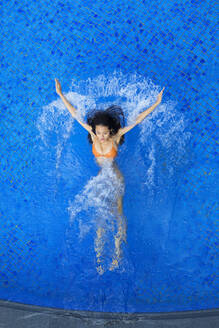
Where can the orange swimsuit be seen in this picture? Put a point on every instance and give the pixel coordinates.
(111, 154)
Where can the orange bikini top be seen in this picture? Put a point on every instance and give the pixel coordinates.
(111, 154)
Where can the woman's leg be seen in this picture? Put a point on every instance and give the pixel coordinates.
(99, 246)
(121, 227)
(122, 221)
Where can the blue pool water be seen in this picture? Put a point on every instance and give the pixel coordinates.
(120, 53)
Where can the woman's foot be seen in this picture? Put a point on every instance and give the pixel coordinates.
(100, 269)
(114, 265)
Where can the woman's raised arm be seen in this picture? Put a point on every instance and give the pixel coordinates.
(69, 106)
(142, 115)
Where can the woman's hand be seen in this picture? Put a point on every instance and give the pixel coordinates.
(159, 97)
(58, 87)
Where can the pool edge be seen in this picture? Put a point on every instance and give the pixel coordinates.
(55, 317)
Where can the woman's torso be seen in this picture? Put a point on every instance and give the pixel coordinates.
(108, 150)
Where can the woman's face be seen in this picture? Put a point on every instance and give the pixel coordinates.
(102, 133)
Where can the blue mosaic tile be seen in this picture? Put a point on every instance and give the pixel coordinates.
(174, 45)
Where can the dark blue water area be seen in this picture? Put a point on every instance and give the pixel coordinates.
(120, 53)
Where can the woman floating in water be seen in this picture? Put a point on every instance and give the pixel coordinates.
(106, 134)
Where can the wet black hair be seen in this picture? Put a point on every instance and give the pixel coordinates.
(112, 117)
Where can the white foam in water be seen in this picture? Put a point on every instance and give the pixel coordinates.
(98, 201)
(164, 127)
(150, 171)
(101, 192)
(55, 118)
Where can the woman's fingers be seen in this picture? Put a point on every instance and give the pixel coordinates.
(57, 82)
(58, 86)
(159, 97)
(161, 93)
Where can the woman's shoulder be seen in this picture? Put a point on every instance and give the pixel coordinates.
(116, 138)
(93, 137)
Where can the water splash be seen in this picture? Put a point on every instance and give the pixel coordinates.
(101, 192)
(133, 93)
(160, 147)
(99, 203)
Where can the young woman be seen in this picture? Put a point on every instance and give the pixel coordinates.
(106, 134)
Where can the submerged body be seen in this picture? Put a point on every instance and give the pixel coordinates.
(105, 152)
(105, 148)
